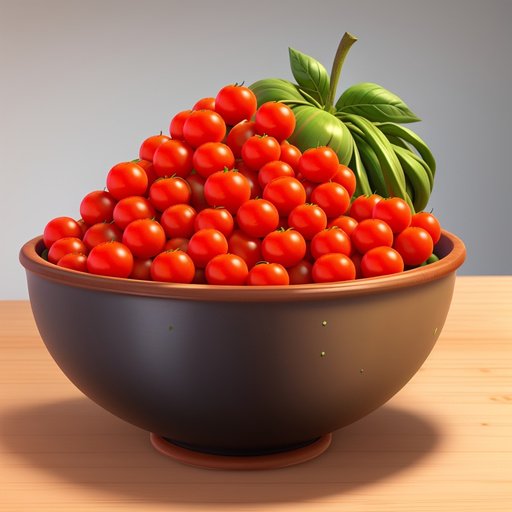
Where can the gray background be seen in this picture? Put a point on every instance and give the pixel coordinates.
(84, 82)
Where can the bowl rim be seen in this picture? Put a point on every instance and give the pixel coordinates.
(450, 262)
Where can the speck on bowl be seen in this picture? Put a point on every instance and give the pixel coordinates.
(240, 371)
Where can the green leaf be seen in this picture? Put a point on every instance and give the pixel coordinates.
(375, 103)
(310, 75)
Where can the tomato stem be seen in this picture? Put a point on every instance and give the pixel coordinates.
(346, 42)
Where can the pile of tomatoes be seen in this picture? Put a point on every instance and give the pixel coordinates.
(226, 200)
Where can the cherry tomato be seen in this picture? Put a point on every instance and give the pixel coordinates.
(362, 206)
(286, 247)
(252, 178)
(268, 274)
(204, 126)
(110, 259)
(205, 244)
(144, 237)
(215, 218)
(394, 211)
(235, 103)
(177, 122)
(150, 172)
(260, 149)
(60, 227)
(246, 246)
(226, 269)
(275, 119)
(332, 197)
(132, 208)
(381, 261)
(370, 233)
(414, 244)
(149, 146)
(330, 240)
(309, 186)
(178, 221)
(100, 233)
(74, 261)
(196, 184)
(212, 157)
(97, 206)
(83, 227)
(273, 170)
(346, 177)
(257, 217)
(429, 223)
(301, 273)
(65, 246)
(333, 267)
(356, 259)
(318, 164)
(168, 191)
(127, 179)
(204, 104)
(291, 155)
(228, 189)
(344, 222)
(141, 269)
(238, 135)
(285, 193)
(173, 267)
(173, 157)
(308, 219)
(176, 243)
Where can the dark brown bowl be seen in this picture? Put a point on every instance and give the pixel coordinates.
(241, 370)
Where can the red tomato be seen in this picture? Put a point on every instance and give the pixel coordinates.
(176, 243)
(173, 267)
(268, 274)
(301, 273)
(132, 208)
(204, 126)
(273, 170)
(141, 269)
(344, 222)
(362, 206)
(168, 191)
(246, 246)
(285, 193)
(235, 103)
(173, 157)
(318, 164)
(100, 233)
(83, 227)
(370, 233)
(144, 237)
(291, 155)
(63, 246)
(196, 184)
(308, 219)
(346, 177)
(150, 172)
(257, 217)
(204, 104)
(97, 206)
(127, 179)
(238, 135)
(215, 218)
(60, 227)
(74, 261)
(414, 244)
(333, 267)
(252, 178)
(356, 259)
(110, 259)
(177, 122)
(205, 244)
(260, 149)
(199, 276)
(332, 198)
(275, 119)
(394, 211)
(429, 223)
(309, 186)
(381, 261)
(330, 240)
(286, 247)
(228, 189)
(178, 221)
(212, 157)
(149, 146)
(226, 269)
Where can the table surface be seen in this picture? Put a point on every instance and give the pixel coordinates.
(442, 443)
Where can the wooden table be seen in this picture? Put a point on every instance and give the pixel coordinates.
(443, 443)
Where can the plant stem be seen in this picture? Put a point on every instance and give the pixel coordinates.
(346, 42)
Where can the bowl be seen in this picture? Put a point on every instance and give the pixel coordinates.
(240, 371)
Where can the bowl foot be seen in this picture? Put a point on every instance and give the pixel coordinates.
(241, 462)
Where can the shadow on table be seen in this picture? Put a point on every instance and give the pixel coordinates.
(80, 443)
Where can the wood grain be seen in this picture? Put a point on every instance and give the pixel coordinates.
(443, 443)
